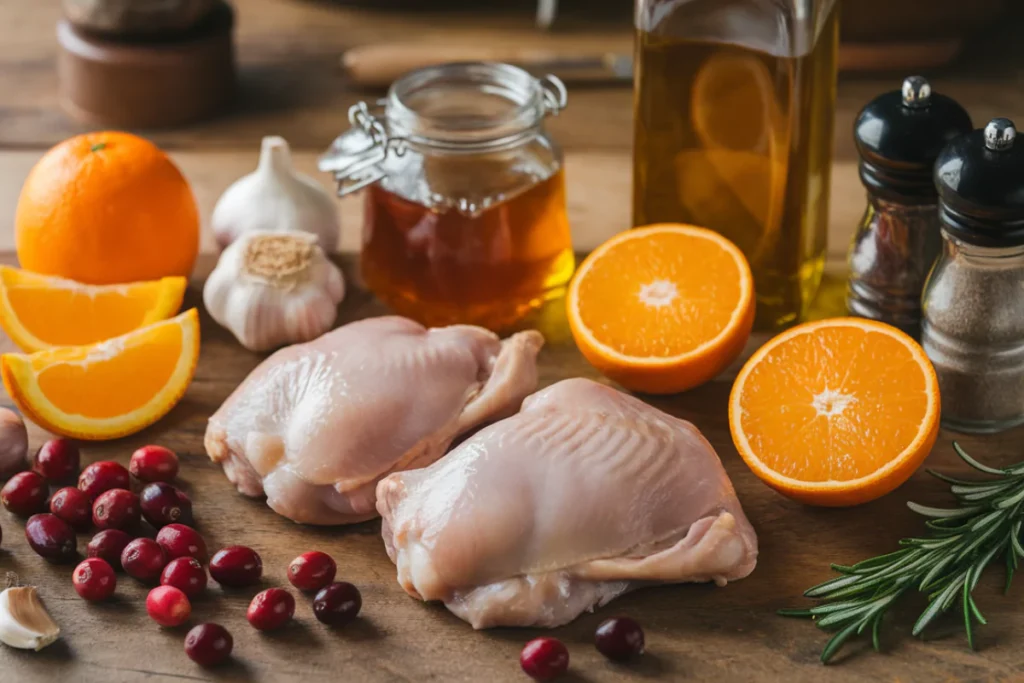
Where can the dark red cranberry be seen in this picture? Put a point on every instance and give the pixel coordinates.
(108, 545)
(168, 606)
(236, 566)
(94, 580)
(58, 460)
(179, 540)
(619, 639)
(312, 571)
(185, 574)
(51, 537)
(116, 509)
(208, 644)
(544, 659)
(271, 609)
(154, 463)
(25, 494)
(143, 559)
(103, 476)
(73, 506)
(162, 504)
(337, 604)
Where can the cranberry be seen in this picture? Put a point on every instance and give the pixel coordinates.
(236, 566)
(185, 574)
(154, 463)
(25, 494)
(544, 659)
(143, 559)
(57, 460)
(208, 644)
(102, 476)
(168, 606)
(94, 580)
(312, 571)
(337, 604)
(619, 639)
(108, 545)
(179, 540)
(162, 504)
(271, 609)
(116, 509)
(73, 506)
(51, 538)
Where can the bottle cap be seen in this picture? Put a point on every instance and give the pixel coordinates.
(980, 180)
(899, 134)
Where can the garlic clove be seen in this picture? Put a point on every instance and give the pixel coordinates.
(24, 622)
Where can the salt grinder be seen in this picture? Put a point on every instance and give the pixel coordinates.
(973, 329)
(899, 135)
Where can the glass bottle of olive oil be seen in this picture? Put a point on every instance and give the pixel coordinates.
(734, 109)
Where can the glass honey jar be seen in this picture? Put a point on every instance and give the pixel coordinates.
(465, 209)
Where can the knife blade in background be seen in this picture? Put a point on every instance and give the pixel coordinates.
(376, 66)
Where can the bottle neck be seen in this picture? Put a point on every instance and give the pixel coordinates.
(1009, 256)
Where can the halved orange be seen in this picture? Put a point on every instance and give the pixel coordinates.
(836, 412)
(110, 389)
(41, 312)
(663, 308)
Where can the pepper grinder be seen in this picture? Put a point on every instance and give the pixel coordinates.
(973, 328)
(899, 135)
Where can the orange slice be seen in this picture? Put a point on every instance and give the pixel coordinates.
(663, 308)
(110, 389)
(41, 312)
(836, 412)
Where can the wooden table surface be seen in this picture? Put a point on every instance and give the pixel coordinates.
(290, 85)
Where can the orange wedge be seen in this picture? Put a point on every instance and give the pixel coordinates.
(41, 312)
(662, 309)
(836, 412)
(110, 389)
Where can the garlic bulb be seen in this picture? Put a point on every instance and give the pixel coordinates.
(274, 288)
(24, 622)
(13, 443)
(276, 198)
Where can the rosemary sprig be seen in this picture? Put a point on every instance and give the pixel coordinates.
(946, 564)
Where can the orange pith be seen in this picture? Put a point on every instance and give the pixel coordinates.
(836, 412)
(662, 309)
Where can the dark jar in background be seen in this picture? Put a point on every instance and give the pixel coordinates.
(899, 135)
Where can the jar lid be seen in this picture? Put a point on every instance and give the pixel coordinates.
(980, 180)
(899, 135)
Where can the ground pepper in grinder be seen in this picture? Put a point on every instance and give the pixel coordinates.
(899, 135)
(974, 300)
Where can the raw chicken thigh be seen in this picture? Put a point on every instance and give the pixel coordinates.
(317, 425)
(585, 494)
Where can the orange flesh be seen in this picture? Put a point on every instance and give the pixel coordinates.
(691, 285)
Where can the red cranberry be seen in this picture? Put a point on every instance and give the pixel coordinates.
(168, 606)
(337, 604)
(143, 559)
(57, 460)
(51, 538)
(179, 540)
(116, 509)
(162, 504)
(208, 644)
(185, 574)
(94, 580)
(108, 545)
(25, 494)
(154, 463)
(619, 639)
(236, 566)
(271, 609)
(544, 659)
(73, 506)
(102, 476)
(312, 571)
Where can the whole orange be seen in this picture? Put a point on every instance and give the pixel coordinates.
(104, 208)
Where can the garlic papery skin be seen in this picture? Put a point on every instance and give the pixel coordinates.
(274, 288)
(24, 622)
(276, 198)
